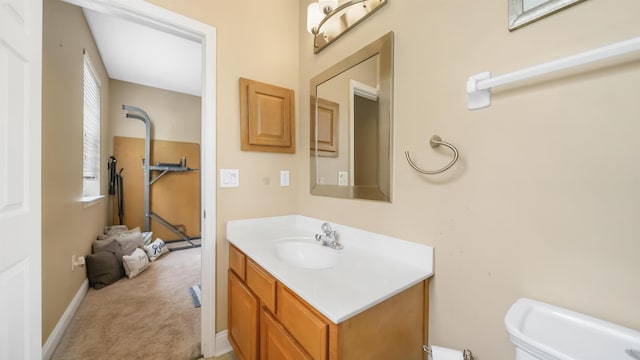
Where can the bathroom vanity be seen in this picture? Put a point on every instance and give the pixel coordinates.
(292, 298)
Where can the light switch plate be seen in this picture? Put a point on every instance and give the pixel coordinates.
(284, 178)
(229, 178)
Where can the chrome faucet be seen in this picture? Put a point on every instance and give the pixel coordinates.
(329, 238)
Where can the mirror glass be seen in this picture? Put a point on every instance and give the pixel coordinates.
(524, 12)
(351, 140)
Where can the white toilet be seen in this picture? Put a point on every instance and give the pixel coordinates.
(545, 332)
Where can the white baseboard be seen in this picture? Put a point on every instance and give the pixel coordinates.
(222, 343)
(53, 339)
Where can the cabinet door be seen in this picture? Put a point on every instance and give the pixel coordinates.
(243, 319)
(267, 121)
(275, 342)
(311, 331)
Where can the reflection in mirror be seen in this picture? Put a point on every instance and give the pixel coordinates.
(524, 12)
(351, 140)
(530, 4)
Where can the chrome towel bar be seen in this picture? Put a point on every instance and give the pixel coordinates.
(435, 141)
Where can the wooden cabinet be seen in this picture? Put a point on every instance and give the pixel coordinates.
(243, 319)
(237, 262)
(267, 121)
(275, 341)
(262, 284)
(309, 328)
(327, 128)
(268, 321)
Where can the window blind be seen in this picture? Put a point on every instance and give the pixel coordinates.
(91, 130)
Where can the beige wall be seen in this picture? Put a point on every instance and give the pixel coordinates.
(256, 40)
(537, 205)
(174, 116)
(68, 228)
(544, 201)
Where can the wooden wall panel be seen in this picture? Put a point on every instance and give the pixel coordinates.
(175, 196)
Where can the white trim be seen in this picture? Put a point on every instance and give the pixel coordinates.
(88, 201)
(53, 340)
(208, 189)
(223, 345)
(364, 90)
(161, 19)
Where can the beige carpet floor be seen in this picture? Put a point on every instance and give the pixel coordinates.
(148, 317)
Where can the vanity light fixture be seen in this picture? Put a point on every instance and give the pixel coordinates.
(327, 20)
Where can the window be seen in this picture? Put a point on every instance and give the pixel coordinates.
(91, 132)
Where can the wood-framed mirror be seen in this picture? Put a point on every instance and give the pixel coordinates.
(352, 141)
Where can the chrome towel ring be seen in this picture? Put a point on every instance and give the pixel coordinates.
(435, 141)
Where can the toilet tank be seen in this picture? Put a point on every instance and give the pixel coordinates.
(547, 332)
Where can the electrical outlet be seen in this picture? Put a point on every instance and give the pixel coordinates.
(343, 178)
(76, 261)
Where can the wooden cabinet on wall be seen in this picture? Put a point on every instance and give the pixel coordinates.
(267, 121)
(327, 128)
(276, 324)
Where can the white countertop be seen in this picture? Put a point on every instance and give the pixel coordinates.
(371, 268)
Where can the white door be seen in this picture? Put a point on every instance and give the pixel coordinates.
(20, 162)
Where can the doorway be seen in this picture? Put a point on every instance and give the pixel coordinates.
(163, 20)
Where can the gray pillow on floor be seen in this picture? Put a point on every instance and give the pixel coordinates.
(98, 245)
(105, 266)
(128, 242)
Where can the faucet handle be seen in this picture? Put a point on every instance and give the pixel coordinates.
(326, 229)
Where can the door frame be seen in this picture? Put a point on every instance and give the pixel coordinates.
(167, 21)
(357, 88)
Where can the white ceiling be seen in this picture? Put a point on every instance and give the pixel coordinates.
(146, 56)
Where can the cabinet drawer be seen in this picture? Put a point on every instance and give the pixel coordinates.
(237, 261)
(262, 284)
(305, 326)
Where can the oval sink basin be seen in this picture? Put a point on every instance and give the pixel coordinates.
(306, 252)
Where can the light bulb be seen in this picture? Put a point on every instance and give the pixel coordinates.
(314, 16)
(331, 28)
(327, 6)
(355, 13)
